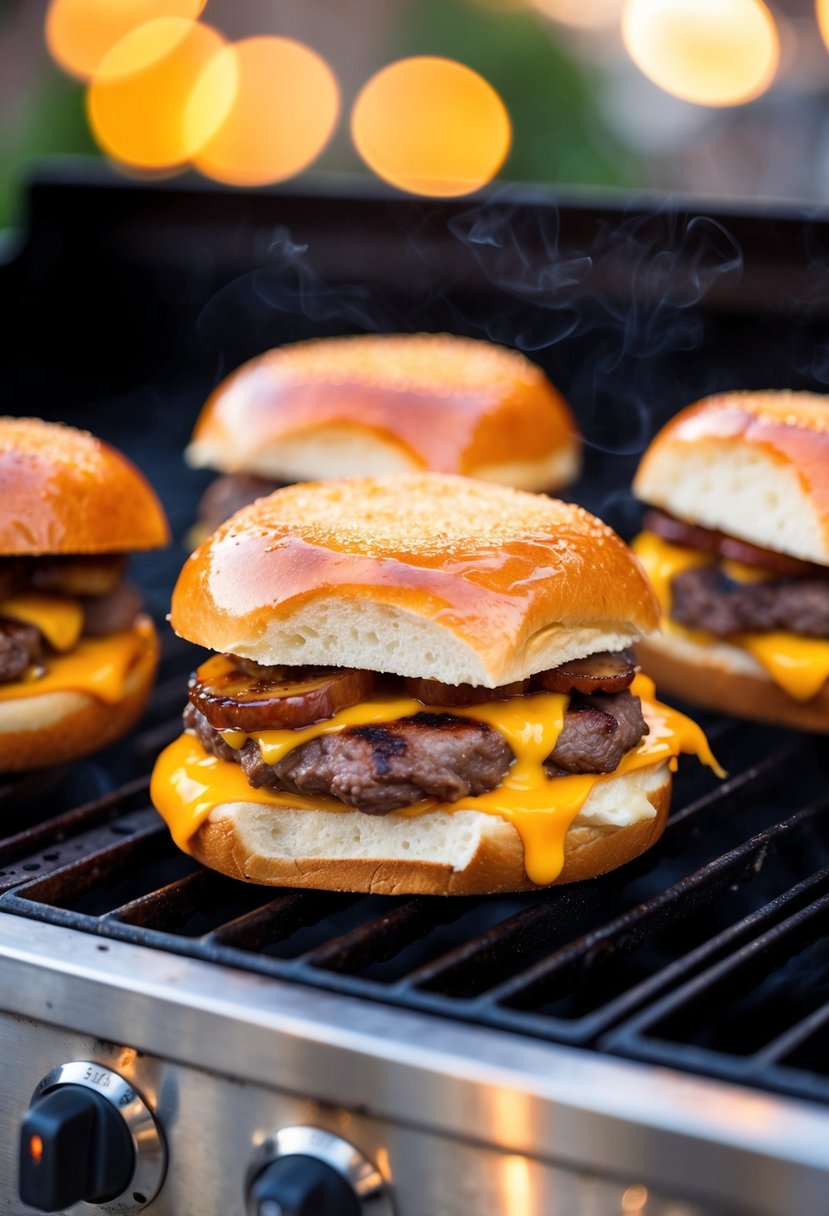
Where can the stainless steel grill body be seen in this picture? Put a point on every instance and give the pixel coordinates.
(458, 1118)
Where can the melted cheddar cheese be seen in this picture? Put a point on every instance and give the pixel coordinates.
(60, 620)
(97, 666)
(188, 783)
(799, 665)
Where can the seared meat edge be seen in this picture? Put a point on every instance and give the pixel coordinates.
(706, 598)
(385, 766)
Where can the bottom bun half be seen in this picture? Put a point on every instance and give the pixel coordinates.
(52, 728)
(728, 679)
(437, 853)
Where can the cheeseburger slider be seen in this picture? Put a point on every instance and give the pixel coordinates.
(422, 684)
(737, 547)
(338, 407)
(77, 656)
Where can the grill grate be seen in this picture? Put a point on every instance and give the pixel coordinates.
(707, 953)
(646, 962)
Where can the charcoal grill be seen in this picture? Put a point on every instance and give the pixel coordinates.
(654, 1041)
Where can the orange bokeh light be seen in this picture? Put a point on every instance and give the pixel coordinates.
(281, 104)
(822, 14)
(711, 52)
(80, 32)
(431, 126)
(138, 96)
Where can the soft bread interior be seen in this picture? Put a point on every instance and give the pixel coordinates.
(450, 838)
(350, 451)
(728, 658)
(547, 473)
(734, 488)
(327, 451)
(387, 638)
(729, 680)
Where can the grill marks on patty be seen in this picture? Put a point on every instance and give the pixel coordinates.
(706, 598)
(385, 766)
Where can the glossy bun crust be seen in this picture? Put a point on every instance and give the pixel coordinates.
(64, 491)
(753, 465)
(55, 727)
(728, 680)
(478, 854)
(374, 404)
(433, 576)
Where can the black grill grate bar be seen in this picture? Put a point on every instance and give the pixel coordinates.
(519, 933)
(626, 932)
(384, 937)
(101, 858)
(794, 1037)
(166, 907)
(716, 947)
(108, 806)
(774, 769)
(640, 1036)
(522, 932)
(272, 922)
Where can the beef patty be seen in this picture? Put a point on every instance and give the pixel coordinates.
(706, 598)
(20, 646)
(110, 613)
(229, 493)
(382, 767)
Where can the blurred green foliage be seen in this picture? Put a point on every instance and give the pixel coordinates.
(49, 121)
(558, 135)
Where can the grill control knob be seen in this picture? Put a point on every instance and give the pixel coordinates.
(302, 1186)
(73, 1145)
(305, 1171)
(89, 1136)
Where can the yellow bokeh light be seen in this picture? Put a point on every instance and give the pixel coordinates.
(822, 14)
(711, 52)
(431, 126)
(593, 15)
(284, 105)
(139, 95)
(80, 32)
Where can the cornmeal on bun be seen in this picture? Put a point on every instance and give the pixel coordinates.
(77, 654)
(422, 684)
(737, 546)
(368, 405)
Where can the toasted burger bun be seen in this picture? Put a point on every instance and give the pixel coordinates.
(371, 405)
(432, 576)
(730, 680)
(64, 491)
(753, 465)
(440, 853)
(51, 728)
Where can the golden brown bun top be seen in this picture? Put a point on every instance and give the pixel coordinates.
(448, 404)
(426, 574)
(753, 464)
(64, 491)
